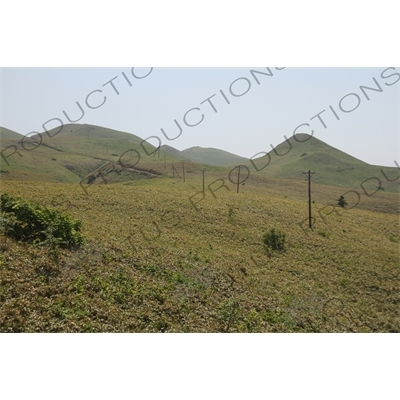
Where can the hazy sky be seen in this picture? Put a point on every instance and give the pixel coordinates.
(259, 114)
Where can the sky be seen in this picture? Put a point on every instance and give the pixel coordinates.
(233, 109)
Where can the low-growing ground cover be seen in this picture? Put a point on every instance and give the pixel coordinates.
(155, 262)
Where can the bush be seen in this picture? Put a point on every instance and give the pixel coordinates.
(342, 202)
(274, 240)
(31, 222)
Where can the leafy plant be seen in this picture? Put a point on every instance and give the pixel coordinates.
(229, 314)
(274, 240)
(31, 222)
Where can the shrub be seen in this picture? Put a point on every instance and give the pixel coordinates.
(342, 202)
(274, 240)
(31, 222)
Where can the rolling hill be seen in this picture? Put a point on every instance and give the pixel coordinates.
(201, 155)
(332, 166)
(79, 149)
(212, 156)
(173, 152)
(75, 152)
(7, 134)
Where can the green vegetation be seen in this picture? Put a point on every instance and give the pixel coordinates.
(274, 240)
(231, 212)
(31, 222)
(199, 271)
(322, 233)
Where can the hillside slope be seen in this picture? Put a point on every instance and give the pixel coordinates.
(173, 152)
(77, 151)
(211, 156)
(7, 134)
(81, 150)
(332, 166)
(155, 263)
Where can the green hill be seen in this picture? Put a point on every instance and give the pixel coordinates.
(211, 156)
(76, 151)
(7, 134)
(173, 152)
(17, 163)
(332, 166)
(79, 150)
(208, 156)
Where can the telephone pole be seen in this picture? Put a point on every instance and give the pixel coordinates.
(237, 189)
(309, 174)
(203, 180)
(183, 170)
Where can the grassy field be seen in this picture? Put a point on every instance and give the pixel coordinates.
(159, 257)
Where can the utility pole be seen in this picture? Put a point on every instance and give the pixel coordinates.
(203, 180)
(183, 170)
(309, 174)
(237, 189)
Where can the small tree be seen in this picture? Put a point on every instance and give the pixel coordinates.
(342, 202)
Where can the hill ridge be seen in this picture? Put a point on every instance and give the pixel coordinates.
(83, 148)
